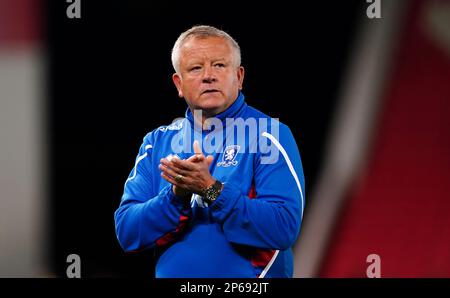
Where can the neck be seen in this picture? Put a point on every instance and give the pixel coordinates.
(199, 116)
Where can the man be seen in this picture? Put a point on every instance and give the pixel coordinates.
(235, 212)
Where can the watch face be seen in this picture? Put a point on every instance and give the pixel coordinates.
(213, 192)
(211, 195)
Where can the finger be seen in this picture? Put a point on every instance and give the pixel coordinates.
(170, 179)
(192, 158)
(196, 158)
(209, 159)
(168, 171)
(170, 157)
(174, 166)
(164, 161)
(183, 164)
(178, 169)
(167, 162)
(197, 149)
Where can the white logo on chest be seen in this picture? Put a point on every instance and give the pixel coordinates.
(229, 156)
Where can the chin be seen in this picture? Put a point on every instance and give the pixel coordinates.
(211, 103)
(211, 109)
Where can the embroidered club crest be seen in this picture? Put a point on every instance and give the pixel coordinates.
(229, 156)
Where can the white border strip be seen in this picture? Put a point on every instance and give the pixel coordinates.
(291, 168)
(137, 162)
(288, 161)
(264, 272)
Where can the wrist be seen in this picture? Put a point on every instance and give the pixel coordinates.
(212, 192)
(209, 183)
(181, 192)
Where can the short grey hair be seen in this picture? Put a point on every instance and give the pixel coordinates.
(202, 31)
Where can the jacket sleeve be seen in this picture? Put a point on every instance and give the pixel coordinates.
(145, 217)
(272, 219)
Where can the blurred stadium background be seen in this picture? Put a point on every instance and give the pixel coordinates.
(368, 101)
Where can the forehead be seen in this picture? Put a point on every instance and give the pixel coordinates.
(207, 47)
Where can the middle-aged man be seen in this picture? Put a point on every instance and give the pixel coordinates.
(219, 193)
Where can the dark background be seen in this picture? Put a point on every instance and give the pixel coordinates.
(110, 75)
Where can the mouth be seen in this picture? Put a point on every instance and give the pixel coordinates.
(210, 91)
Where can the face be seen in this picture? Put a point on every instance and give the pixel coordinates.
(209, 78)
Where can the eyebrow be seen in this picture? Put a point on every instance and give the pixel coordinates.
(197, 61)
(219, 60)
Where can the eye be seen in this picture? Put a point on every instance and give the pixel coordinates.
(195, 68)
(219, 65)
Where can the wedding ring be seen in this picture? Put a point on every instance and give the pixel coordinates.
(179, 178)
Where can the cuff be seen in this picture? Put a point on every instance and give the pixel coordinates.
(174, 199)
(225, 202)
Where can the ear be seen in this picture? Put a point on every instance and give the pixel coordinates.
(240, 76)
(176, 78)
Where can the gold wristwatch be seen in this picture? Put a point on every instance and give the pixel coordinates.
(211, 193)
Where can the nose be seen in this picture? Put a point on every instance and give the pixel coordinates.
(209, 76)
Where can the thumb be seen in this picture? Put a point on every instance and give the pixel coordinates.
(197, 149)
(196, 158)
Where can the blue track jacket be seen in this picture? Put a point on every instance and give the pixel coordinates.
(249, 230)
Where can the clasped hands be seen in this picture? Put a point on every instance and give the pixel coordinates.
(190, 175)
